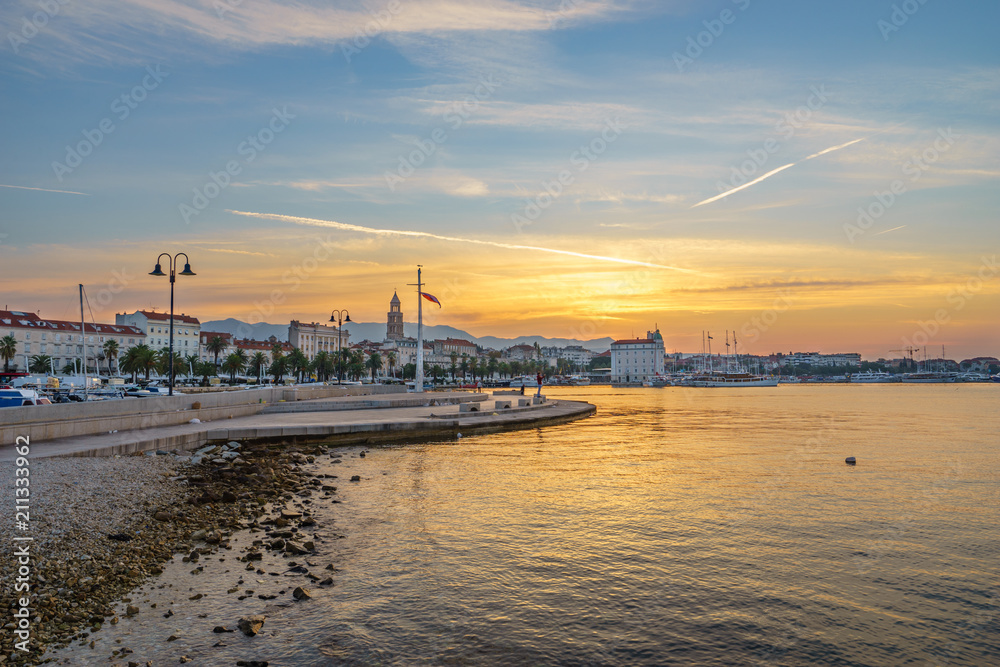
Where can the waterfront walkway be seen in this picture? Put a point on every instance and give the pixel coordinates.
(344, 420)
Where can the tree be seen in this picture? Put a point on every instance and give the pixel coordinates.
(464, 365)
(204, 369)
(409, 371)
(8, 348)
(139, 359)
(40, 363)
(390, 360)
(504, 369)
(111, 353)
(234, 363)
(323, 365)
(454, 357)
(298, 363)
(436, 372)
(215, 346)
(473, 367)
(258, 362)
(374, 364)
(278, 368)
(69, 369)
(492, 366)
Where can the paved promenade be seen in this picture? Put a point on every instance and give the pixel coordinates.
(348, 419)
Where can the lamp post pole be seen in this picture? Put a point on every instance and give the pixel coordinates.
(340, 316)
(172, 264)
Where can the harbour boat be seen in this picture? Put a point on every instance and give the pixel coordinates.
(657, 382)
(578, 381)
(16, 398)
(523, 381)
(729, 380)
(870, 377)
(929, 377)
(995, 378)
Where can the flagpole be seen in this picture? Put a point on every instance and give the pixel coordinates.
(418, 384)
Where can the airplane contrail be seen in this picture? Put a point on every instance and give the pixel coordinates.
(24, 187)
(313, 222)
(889, 230)
(775, 171)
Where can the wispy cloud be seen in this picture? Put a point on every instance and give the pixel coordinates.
(775, 171)
(313, 222)
(65, 192)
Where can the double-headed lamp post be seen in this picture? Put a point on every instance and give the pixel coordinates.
(340, 316)
(172, 264)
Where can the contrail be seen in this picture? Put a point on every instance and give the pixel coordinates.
(454, 239)
(775, 171)
(889, 230)
(65, 192)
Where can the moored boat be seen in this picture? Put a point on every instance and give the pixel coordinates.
(870, 377)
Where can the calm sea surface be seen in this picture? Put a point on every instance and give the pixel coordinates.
(677, 526)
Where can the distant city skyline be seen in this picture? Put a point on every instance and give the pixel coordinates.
(815, 177)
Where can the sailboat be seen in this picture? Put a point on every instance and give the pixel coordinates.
(735, 375)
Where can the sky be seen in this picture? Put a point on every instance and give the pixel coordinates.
(558, 167)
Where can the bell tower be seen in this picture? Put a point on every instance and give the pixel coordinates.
(394, 323)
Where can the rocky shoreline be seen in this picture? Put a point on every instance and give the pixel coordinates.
(103, 527)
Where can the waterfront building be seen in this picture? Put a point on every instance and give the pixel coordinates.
(444, 347)
(157, 329)
(520, 352)
(62, 340)
(638, 359)
(817, 359)
(314, 337)
(394, 320)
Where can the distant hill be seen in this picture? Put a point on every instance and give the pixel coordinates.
(240, 329)
(375, 331)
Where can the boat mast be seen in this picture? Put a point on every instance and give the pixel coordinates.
(83, 339)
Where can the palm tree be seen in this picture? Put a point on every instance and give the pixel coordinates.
(258, 362)
(111, 353)
(278, 368)
(298, 363)
(504, 369)
(390, 360)
(464, 365)
(40, 363)
(216, 345)
(204, 369)
(436, 372)
(473, 368)
(69, 369)
(234, 363)
(8, 348)
(323, 365)
(492, 366)
(454, 358)
(356, 368)
(374, 364)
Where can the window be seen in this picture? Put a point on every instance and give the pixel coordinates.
(27, 348)
(43, 335)
(27, 335)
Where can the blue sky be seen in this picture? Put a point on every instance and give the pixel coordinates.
(502, 96)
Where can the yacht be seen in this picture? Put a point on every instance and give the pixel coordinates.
(730, 380)
(929, 376)
(870, 377)
(16, 398)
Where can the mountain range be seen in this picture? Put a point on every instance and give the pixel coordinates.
(375, 331)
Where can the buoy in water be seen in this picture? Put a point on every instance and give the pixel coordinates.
(850, 460)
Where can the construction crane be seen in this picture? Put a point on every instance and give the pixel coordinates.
(910, 351)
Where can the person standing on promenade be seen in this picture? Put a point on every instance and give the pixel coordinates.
(539, 378)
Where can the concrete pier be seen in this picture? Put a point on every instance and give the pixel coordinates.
(344, 419)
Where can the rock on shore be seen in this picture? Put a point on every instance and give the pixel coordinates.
(154, 507)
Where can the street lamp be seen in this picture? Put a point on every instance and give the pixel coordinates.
(340, 316)
(172, 263)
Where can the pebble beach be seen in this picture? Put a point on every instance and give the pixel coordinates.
(104, 527)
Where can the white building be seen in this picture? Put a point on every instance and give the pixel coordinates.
(817, 359)
(638, 359)
(61, 340)
(314, 338)
(156, 326)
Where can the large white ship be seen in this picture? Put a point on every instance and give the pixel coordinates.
(871, 377)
